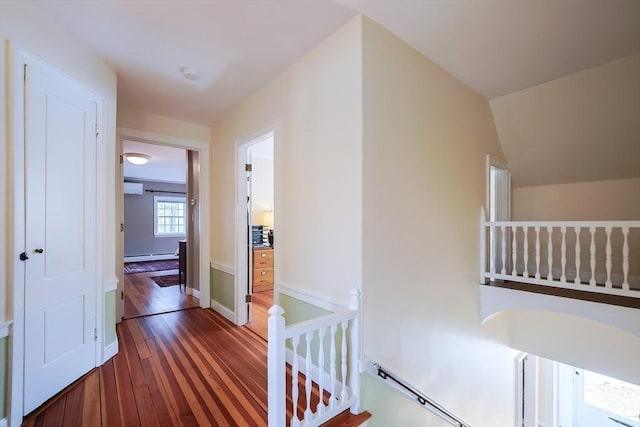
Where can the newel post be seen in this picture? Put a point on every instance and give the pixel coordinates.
(355, 304)
(483, 245)
(276, 368)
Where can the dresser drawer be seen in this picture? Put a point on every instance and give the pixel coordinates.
(263, 276)
(262, 258)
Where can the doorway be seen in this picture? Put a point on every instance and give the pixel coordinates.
(256, 241)
(176, 213)
(157, 228)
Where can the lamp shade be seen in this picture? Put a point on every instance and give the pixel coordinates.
(267, 218)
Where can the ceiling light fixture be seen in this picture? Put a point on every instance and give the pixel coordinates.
(137, 158)
(190, 73)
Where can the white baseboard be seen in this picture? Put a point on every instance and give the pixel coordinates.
(157, 257)
(4, 422)
(110, 351)
(224, 311)
(194, 292)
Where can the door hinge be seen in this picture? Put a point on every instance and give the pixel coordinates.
(24, 74)
(247, 167)
(97, 133)
(121, 294)
(121, 226)
(121, 159)
(95, 334)
(248, 298)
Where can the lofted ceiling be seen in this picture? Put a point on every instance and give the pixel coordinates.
(494, 46)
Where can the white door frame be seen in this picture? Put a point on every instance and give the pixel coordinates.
(18, 58)
(242, 223)
(203, 199)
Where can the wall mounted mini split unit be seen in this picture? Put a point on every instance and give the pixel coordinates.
(133, 188)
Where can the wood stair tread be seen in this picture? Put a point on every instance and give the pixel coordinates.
(347, 419)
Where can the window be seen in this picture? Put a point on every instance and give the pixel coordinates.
(170, 216)
(604, 401)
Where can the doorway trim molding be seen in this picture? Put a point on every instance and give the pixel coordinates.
(18, 58)
(241, 223)
(203, 197)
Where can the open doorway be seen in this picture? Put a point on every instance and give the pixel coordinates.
(256, 239)
(159, 207)
(556, 394)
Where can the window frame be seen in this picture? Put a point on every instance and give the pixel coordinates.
(170, 199)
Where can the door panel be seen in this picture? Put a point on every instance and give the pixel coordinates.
(60, 237)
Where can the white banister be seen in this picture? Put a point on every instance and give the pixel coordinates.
(625, 258)
(537, 228)
(526, 251)
(504, 249)
(277, 374)
(342, 375)
(592, 262)
(550, 253)
(514, 250)
(563, 259)
(577, 251)
(618, 273)
(608, 283)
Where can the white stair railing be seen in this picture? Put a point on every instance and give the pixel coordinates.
(325, 351)
(592, 256)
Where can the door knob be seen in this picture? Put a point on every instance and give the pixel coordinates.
(38, 250)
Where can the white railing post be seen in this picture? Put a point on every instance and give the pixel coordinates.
(625, 259)
(483, 246)
(276, 368)
(577, 279)
(355, 303)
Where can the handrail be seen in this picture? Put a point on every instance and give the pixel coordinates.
(598, 224)
(384, 374)
(314, 324)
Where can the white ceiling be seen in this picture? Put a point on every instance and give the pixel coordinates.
(167, 164)
(494, 46)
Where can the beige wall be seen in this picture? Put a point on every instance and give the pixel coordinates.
(23, 25)
(578, 128)
(584, 201)
(426, 136)
(141, 120)
(314, 108)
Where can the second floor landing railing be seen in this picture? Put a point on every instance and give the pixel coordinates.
(596, 256)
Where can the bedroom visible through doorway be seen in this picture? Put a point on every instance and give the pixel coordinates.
(157, 213)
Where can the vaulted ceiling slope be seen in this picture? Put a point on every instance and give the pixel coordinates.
(496, 47)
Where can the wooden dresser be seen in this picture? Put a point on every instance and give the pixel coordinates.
(262, 269)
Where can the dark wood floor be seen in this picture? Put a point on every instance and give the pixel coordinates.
(191, 368)
(142, 296)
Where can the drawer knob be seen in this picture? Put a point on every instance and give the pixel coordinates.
(263, 255)
(263, 273)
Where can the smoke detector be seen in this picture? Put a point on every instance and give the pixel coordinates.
(190, 73)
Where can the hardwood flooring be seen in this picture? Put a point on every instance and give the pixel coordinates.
(142, 296)
(262, 302)
(185, 368)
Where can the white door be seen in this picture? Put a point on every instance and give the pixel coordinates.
(60, 235)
